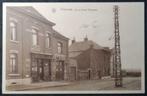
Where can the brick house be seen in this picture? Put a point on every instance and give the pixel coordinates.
(88, 60)
(34, 50)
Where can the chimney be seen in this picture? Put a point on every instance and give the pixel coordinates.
(86, 39)
(73, 41)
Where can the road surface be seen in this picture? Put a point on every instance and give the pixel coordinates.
(129, 83)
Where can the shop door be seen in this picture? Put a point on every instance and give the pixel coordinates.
(60, 71)
(40, 69)
(47, 70)
(34, 70)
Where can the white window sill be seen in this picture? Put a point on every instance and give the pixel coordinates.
(14, 74)
(14, 41)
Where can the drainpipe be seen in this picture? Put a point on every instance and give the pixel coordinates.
(22, 49)
(91, 62)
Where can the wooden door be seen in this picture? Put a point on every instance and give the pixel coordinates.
(47, 70)
(40, 69)
(73, 73)
(34, 70)
(60, 71)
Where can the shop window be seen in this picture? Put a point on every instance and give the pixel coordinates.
(13, 31)
(34, 37)
(59, 47)
(13, 63)
(48, 40)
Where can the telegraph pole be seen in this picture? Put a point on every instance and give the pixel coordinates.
(117, 56)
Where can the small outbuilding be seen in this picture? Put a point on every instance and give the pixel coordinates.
(88, 60)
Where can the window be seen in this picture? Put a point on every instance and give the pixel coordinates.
(59, 66)
(13, 31)
(34, 37)
(48, 40)
(13, 63)
(59, 47)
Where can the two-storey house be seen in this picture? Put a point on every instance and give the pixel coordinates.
(34, 50)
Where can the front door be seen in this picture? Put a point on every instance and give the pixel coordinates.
(60, 71)
(40, 69)
(34, 70)
(73, 73)
(47, 70)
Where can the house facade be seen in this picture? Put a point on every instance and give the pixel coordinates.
(34, 50)
(88, 60)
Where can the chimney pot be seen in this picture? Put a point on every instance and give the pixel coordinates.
(86, 39)
(73, 41)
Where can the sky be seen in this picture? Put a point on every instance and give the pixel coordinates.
(96, 20)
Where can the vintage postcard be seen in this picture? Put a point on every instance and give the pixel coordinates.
(73, 48)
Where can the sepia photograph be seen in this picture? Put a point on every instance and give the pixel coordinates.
(73, 48)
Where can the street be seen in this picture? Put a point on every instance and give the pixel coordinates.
(129, 83)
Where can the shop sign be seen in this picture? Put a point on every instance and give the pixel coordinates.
(59, 57)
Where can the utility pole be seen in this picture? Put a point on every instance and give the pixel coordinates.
(117, 56)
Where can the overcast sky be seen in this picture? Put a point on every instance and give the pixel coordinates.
(96, 20)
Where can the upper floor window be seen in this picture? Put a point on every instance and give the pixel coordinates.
(34, 37)
(59, 47)
(13, 63)
(48, 41)
(13, 31)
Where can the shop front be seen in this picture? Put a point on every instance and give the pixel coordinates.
(40, 67)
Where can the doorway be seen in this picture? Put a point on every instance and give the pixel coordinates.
(47, 69)
(40, 69)
(73, 73)
(60, 70)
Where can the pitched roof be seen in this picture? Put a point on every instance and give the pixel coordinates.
(29, 10)
(58, 35)
(83, 45)
(35, 14)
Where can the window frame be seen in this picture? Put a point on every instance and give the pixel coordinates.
(59, 47)
(13, 30)
(13, 63)
(35, 33)
(48, 40)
